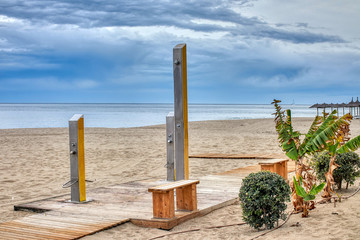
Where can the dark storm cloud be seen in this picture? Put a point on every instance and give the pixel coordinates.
(105, 13)
(297, 37)
(121, 13)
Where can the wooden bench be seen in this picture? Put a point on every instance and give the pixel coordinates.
(163, 198)
(278, 166)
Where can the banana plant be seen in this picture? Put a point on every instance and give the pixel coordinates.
(316, 139)
(307, 196)
(323, 133)
(334, 149)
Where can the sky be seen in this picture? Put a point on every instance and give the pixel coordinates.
(246, 51)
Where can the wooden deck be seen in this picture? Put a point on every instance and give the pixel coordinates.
(114, 205)
(236, 156)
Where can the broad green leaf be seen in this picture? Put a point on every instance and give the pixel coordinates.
(310, 134)
(290, 149)
(293, 154)
(352, 145)
(319, 188)
(296, 134)
(327, 131)
(300, 180)
(288, 145)
(316, 189)
(300, 191)
(332, 149)
(309, 197)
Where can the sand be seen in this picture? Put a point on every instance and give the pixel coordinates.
(35, 164)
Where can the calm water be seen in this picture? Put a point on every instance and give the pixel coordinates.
(129, 115)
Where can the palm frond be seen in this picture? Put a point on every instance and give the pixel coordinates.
(280, 123)
(325, 135)
(351, 145)
(328, 121)
(314, 126)
(291, 150)
(341, 135)
(279, 115)
(287, 138)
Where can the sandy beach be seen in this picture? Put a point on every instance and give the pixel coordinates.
(35, 164)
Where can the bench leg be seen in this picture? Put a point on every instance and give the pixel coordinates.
(186, 198)
(279, 168)
(268, 168)
(163, 204)
(284, 170)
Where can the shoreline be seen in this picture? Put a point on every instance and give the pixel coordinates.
(130, 115)
(35, 163)
(163, 124)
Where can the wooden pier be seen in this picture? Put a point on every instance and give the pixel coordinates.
(57, 218)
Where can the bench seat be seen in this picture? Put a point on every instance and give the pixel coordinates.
(278, 166)
(163, 198)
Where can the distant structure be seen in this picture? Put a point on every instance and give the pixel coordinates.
(352, 107)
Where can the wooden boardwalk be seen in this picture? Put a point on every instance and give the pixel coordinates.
(114, 205)
(236, 156)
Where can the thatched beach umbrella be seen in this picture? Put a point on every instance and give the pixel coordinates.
(316, 105)
(352, 105)
(335, 105)
(324, 106)
(342, 105)
(332, 106)
(355, 106)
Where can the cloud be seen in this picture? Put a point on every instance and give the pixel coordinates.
(128, 44)
(298, 36)
(120, 13)
(189, 17)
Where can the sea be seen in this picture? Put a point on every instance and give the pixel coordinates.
(125, 115)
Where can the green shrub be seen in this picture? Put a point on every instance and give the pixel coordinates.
(263, 195)
(348, 170)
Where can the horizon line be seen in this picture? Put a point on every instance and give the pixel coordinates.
(148, 103)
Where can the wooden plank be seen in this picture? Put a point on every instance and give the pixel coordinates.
(58, 225)
(270, 168)
(229, 156)
(28, 234)
(15, 236)
(186, 198)
(89, 217)
(12, 236)
(30, 230)
(81, 220)
(278, 166)
(53, 230)
(163, 204)
(157, 223)
(165, 223)
(181, 112)
(70, 232)
(173, 185)
(107, 210)
(273, 161)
